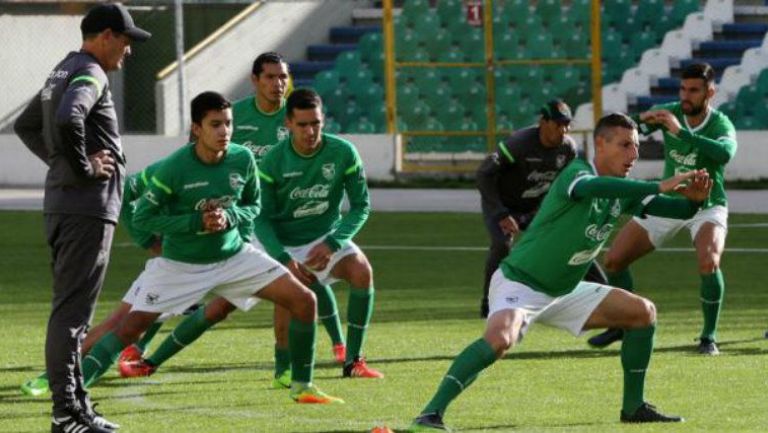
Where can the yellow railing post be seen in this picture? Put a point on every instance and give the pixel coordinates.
(389, 67)
(597, 63)
(490, 80)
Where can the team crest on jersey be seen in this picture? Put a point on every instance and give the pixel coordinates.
(616, 209)
(236, 180)
(282, 133)
(152, 298)
(560, 161)
(329, 170)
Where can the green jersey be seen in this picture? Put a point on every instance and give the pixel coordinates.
(183, 187)
(135, 186)
(709, 146)
(302, 196)
(256, 129)
(553, 255)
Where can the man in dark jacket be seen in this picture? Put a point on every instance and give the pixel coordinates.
(71, 125)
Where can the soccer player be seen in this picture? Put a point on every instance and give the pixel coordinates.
(196, 200)
(540, 280)
(71, 125)
(696, 136)
(513, 180)
(305, 178)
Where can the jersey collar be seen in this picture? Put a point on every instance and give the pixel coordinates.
(702, 124)
(264, 113)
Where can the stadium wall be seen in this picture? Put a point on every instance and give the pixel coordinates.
(20, 168)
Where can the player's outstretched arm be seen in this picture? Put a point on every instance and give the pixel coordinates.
(679, 182)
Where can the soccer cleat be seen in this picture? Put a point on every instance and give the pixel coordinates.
(359, 368)
(428, 422)
(35, 387)
(606, 338)
(140, 368)
(283, 381)
(707, 347)
(310, 394)
(77, 421)
(648, 413)
(131, 353)
(339, 353)
(484, 308)
(98, 420)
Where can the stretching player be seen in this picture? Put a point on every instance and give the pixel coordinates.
(197, 199)
(540, 280)
(696, 136)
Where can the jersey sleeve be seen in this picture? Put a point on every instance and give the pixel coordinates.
(243, 213)
(359, 203)
(648, 128)
(134, 186)
(149, 215)
(720, 148)
(84, 89)
(670, 207)
(613, 187)
(29, 127)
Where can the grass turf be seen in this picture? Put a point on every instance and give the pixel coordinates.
(426, 312)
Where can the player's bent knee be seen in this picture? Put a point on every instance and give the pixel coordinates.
(218, 310)
(646, 314)
(500, 342)
(304, 306)
(709, 264)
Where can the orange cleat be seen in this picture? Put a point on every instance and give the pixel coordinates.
(340, 353)
(359, 368)
(138, 368)
(131, 353)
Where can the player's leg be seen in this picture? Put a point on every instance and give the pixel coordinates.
(356, 270)
(501, 334)
(498, 249)
(290, 294)
(328, 313)
(632, 243)
(637, 316)
(282, 322)
(185, 333)
(709, 242)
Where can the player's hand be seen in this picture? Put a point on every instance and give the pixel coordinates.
(668, 120)
(509, 226)
(156, 249)
(301, 273)
(102, 164)
(649, 117)
(319, 257)
(698, 189)
(680, 181)
(214, 220)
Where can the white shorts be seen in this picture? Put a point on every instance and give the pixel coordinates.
(569, 312)
(130, 295)
(168, 286)
(661, 229)
(301, 252)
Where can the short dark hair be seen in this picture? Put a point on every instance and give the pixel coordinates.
(208, 101)
(613, 120)
(699, 70)
(302, 99)
(268, 57)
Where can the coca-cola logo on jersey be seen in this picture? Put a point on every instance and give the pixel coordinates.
(318, 190)
(598, 234)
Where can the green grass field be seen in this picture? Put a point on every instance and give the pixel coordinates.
(426, 312)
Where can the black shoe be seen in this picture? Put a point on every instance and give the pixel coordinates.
(648, 413)
(707, 347)
(98, 420)
(76, 422)
(766, 334)
(428, 422)
(484, 308)
(606, 338)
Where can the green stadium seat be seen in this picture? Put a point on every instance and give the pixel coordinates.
(576, 46)
(358, 79)
(563, 78)
(507, 46)
(472, 43)
(531, 25)
(406, 44)
(407, 94)
(611, 43)
(450, 114)
(369, 95)
(337, 97)
(640, 42)
(615, 12)
(517, 9)
(500, 23)
(540, 46)
(649, 11)
(427, 25)
(370, 43)
(331, 126)
(438, 95)
(362, 126)
(348, 113)
(347, 61)
(471, 94)
(747, 123)
(326, 81)
(524, 115)
(580, 11)
(549, 10)
(415, 115)
(459, 78)
(433, 124)
(578, 94)
(426, 79)
(437, 42)
(450, 11)
(507, 97)
(420, 55)
(375, 64)
(762, 80)
(750, 96)
(682, 8)
(415, 9)
(662, 25)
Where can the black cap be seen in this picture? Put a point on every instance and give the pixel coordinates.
(557, 110)
(112, 16)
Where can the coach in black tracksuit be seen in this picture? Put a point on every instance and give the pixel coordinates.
(514, 179)
(71, 125)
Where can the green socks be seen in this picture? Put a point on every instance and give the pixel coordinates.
(149, 334)
(301, 344)
(464, 370)
(327, 311)
(622, 280)
(359, 312)
(712, 289)
(282, 360)
(186, 332)
(101, 357)
(636, 351)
